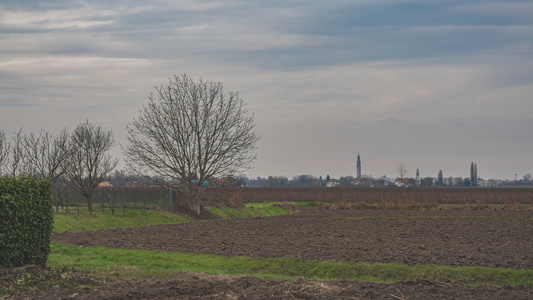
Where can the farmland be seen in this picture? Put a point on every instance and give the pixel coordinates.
(371, 246)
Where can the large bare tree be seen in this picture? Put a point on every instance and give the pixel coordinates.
(189, 133)
(88, 162)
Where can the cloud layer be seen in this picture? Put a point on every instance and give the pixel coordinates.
(433, 84)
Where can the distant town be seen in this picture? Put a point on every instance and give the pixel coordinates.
(400, 181)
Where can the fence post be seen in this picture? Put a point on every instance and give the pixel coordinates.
(171, 194)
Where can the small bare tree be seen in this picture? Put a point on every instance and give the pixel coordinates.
(88, 162)
(402, 170)
(15, 164)
(46, 154)
(189, 133)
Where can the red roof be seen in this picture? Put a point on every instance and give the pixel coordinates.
(358, 180)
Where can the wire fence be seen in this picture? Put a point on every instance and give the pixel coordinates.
(112, 199)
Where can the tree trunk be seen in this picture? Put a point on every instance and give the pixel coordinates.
(194, 205)
(188, 203)
(89, 203)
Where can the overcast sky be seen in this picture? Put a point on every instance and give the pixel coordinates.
(433, 84)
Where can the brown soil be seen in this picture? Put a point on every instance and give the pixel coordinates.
(497, 239)
(500, 239)
(224, 287)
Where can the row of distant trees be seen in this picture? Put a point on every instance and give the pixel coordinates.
(77, 159)
(402, 170)
(187, 134)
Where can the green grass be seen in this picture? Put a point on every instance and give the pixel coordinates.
(108, 260)
(141, 217)
(121, 218)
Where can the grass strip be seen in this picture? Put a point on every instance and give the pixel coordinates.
(121, 218)
(142, 217)
(102, 259)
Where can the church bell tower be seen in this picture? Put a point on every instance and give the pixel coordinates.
(358, 166)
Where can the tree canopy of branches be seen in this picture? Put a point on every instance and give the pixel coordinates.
(191, 132)
(15, 164)
(88, 162)
(402, 170)
(46, 154)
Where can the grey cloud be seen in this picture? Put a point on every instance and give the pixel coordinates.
(14, 102)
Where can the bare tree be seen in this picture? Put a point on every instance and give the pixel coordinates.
(46, 154)
(402, 170)
(4, 152)
(15, 164)
(189, 133)
(526, 177)
(88, 163)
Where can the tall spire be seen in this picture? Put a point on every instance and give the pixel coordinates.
(358, 166)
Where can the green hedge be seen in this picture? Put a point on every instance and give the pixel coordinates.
(26, 221)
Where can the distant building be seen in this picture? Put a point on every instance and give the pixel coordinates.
(104, 184)
(362, 182)
(405, 182)
(332, 183)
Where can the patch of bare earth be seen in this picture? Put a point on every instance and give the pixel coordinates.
(225, 287)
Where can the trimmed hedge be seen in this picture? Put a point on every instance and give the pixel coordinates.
(26, 221)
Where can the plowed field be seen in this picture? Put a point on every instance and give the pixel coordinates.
(496, 239)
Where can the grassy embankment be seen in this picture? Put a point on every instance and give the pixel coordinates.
(143, 262)
(141, 217)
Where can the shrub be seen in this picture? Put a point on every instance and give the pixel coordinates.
(26, 220)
